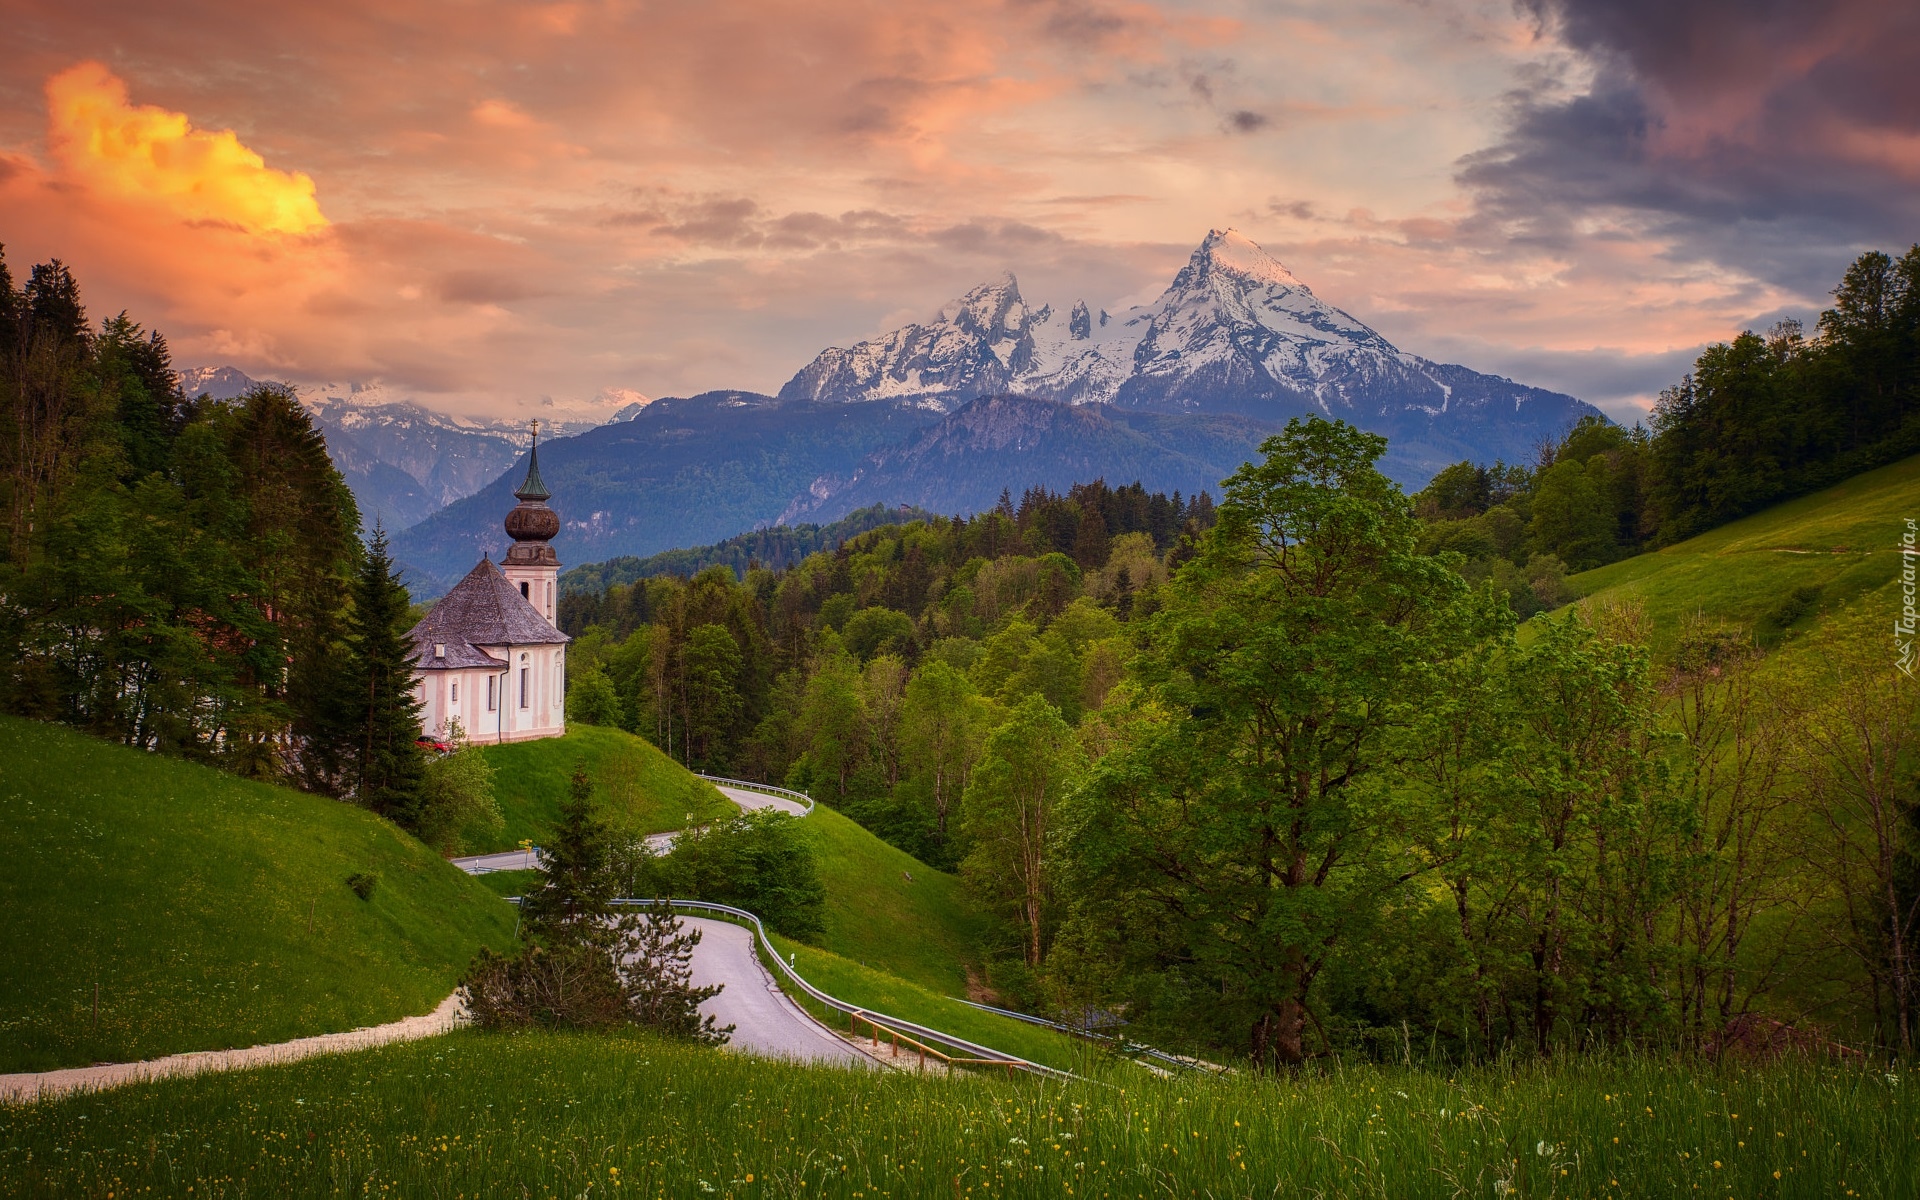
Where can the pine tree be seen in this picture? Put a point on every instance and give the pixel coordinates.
(657, 977)
(570, 907)
(387, 765)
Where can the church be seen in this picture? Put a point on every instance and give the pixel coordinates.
(491, 659)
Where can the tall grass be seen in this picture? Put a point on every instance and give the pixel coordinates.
(552, 1115)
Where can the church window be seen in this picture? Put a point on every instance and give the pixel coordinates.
(456, 693)
(523, 589)
(523, 687)
(491, 705)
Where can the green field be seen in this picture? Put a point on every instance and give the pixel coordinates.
(922, 931)
(641, 790)
(1843, 541)
(567, 1115)
(210, 911)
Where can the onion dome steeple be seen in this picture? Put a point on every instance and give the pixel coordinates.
(531, 520)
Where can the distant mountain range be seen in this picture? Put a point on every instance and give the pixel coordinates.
(1235, 332)
(988, 394)
(402, 460)
(960, 463)
(681, 472)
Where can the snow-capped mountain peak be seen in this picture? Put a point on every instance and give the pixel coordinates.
(1230, 252)
(1235, 331)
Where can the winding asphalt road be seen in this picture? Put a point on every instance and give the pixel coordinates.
(660, 843)
(765, 1020)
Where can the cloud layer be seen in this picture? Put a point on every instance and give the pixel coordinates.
(490, 204)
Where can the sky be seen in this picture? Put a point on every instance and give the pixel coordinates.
(497, 207)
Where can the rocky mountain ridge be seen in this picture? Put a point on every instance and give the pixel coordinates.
(1235, 332)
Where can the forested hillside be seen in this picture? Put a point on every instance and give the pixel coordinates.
(187, 576)
(774, 547)
(1758, 420)
(1287, 776)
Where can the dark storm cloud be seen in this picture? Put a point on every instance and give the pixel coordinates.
(1772, 137)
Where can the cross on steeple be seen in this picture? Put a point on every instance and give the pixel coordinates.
(532, 488)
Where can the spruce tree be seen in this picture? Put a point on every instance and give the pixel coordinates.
(388, 767)
(570, 907)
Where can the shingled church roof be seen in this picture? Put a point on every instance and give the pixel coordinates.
(484, 609)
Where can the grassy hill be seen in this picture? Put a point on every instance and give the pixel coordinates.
(211, 911)
(922, 931)
(1778, 570)
(886, 909)
(643, 790)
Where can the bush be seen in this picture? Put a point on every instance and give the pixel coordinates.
(363, 883)
(457, 795)
(572, 986)
(762, 861)
(1794, 605)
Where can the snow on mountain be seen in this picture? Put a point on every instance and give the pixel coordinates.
(1235, 332)
(405, 461)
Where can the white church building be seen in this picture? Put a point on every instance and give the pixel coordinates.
(491, 658)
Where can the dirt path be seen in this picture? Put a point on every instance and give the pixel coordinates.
(15, 1089)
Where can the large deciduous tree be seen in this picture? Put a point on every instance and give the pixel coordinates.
(1239, 834)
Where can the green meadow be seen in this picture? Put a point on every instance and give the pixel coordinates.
(570, 1115)
(641, 790)
(208, 911)
(1832, 548)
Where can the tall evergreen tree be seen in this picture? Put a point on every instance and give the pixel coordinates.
(388, 769)
(571, 906)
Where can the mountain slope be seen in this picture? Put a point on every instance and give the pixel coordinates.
(1235, 332)
(682, 472)
(774, 547)
(961, 464)
(1832, 548)
(210, 910)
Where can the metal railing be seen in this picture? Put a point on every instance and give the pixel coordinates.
(1130, 1049)
(764, 788)
(969, 1053)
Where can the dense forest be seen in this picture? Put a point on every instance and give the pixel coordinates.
(775, 547)
(187, 575)
(1286, 771)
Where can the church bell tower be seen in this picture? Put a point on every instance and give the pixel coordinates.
(531, 565)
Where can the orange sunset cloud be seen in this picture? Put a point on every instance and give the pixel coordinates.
(148, 153)
(563, 199)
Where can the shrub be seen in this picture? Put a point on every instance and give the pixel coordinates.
(363, 883)
(1794, 605)
(762, 861)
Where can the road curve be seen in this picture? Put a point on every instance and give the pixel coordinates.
(751, 800)
(766, 1022)
(659, 843)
